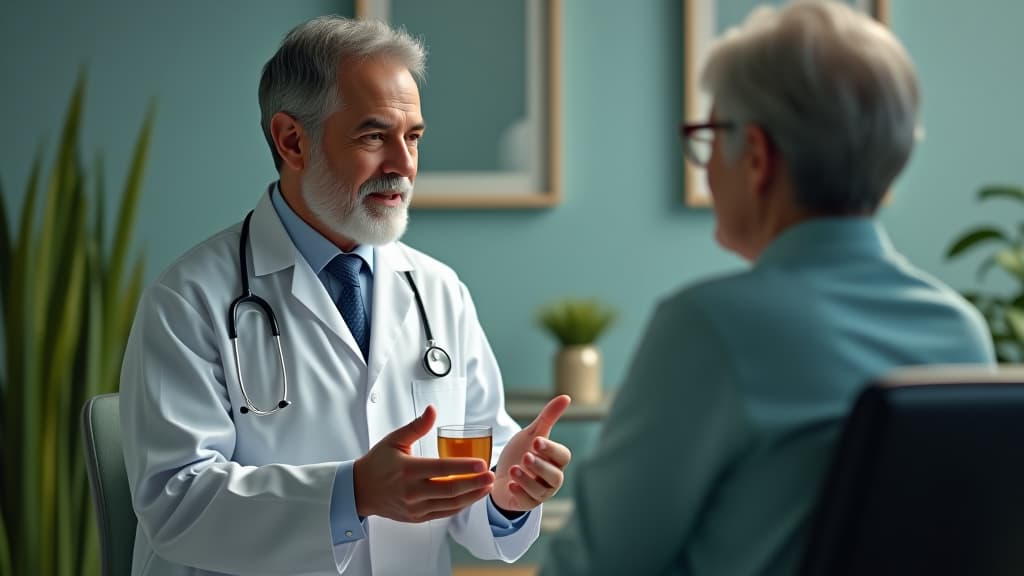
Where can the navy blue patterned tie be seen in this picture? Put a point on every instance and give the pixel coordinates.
(346, 267)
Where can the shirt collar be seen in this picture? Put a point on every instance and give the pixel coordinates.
(314, 247)
(828, 237)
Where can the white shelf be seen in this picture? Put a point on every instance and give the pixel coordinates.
(556, 514)
(525, 405)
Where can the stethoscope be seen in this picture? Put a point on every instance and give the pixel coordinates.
(435, 360)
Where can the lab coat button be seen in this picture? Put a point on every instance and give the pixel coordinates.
(373, 397)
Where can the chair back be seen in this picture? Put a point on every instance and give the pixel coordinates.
(927, 478)
(112, 500)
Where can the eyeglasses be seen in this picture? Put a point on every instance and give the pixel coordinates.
(697, 139)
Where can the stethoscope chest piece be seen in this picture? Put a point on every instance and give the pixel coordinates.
(437, 361)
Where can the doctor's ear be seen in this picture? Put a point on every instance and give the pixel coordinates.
(290, 140)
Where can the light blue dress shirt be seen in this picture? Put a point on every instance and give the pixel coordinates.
(712, 457)
(346, 525)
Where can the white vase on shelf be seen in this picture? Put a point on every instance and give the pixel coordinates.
(578, 373)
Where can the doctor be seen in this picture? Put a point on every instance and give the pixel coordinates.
(293, 431)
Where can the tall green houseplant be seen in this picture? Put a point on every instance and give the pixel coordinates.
(68, 296)
(1003, 312)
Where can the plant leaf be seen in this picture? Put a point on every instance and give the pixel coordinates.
(984, 267)
(60, 188)
(576, 322)
(20, 435)
(1011, 260)
(975, 238)
(99, 230)
(126, 214)
(1001, 191)
(5, 551)
(30, 465)
(119, 331)
(67, 432)
(1015, 319)
(5, 251)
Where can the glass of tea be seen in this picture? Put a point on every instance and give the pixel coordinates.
(464, 441)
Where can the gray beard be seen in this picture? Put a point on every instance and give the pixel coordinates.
(330, 200)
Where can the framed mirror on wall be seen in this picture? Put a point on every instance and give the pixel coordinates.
(703, 21)
(491, 100)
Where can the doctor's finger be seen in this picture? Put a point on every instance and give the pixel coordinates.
(441, 488)
(534, 488)
(407, 435)
(545, 421)
(435, 467)
(443, 508)
(543, 471)
(557, 454)
(522, 498)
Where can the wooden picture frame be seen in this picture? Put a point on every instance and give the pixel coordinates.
(492, 104)
(699, 26)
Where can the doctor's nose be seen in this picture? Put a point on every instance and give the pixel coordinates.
(401, 159)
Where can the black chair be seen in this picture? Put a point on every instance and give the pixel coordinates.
(928, 478)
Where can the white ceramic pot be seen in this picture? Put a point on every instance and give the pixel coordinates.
(578, 374)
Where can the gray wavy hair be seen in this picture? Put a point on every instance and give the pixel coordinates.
(301, 78)
(834, 90)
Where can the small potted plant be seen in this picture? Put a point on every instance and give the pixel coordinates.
(577, 324)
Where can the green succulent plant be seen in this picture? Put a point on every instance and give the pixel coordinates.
(1004, 313)
(576, 322)
(67, 307)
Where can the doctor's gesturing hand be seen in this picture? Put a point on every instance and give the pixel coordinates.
(391, 482)
(530, 468)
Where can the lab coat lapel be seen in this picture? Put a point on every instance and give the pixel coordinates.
(273, 251)
(392, 302)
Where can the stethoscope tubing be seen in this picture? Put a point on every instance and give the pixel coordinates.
(247, 297)
(436, 360)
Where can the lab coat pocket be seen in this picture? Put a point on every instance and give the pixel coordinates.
(448, 395)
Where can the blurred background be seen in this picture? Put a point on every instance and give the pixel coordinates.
(621, 232)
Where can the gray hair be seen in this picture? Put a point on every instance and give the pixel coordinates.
(833, 89)
(301, 78)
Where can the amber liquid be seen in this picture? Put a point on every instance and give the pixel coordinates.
(464, 448)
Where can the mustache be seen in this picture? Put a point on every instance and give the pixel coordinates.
(386, 185)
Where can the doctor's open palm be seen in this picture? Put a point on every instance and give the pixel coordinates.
(391, 482)
(531, 466)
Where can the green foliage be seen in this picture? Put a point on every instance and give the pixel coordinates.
(576, 322)
(1005, 251)
(67, 309)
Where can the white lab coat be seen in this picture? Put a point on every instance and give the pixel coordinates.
(220, 492)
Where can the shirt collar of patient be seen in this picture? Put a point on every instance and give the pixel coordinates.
(827, 237)
(314, 247)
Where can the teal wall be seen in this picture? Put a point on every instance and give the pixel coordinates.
(621, 233)
(489, 59)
